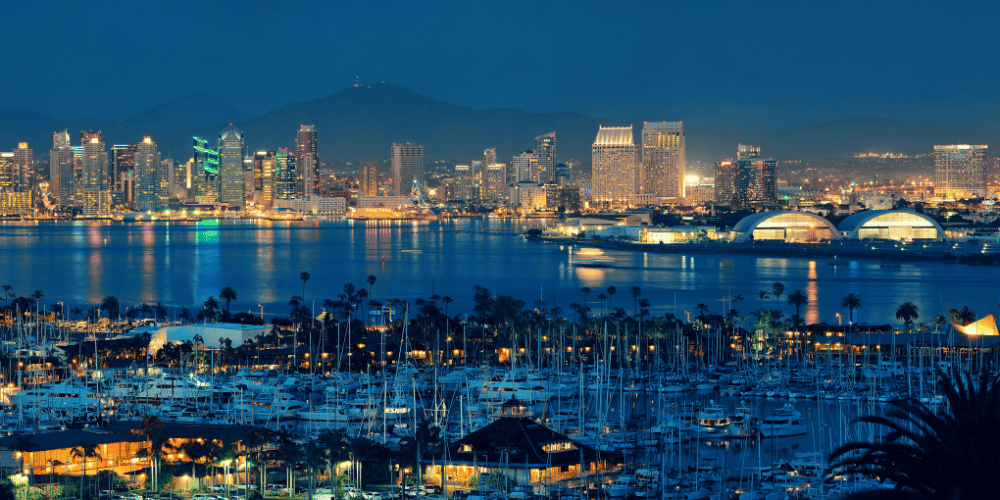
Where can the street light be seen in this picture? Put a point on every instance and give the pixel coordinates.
(261, 306)
(838, 320)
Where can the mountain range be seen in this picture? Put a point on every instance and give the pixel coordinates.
(361, 122)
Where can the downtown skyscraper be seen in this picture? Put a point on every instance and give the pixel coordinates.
(62, 164)
(93, 184)
(368, 178)
(24, 168)
(148, 170)
(960, 171)
(545, 152)
(662, 171)
(407, 166)
(749, 181)
(231, 178)
(614, 166)
(306, 161)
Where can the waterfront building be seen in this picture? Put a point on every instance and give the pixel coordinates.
(527, 195)
(122, 161)
(368, 178)
(384, 201)
(545, 152)
(464, 183)
(148, 170)
(61, 166)
(205, 178)
(284, 175)
(407, 166)
(94, 189)
(315, 204)
(265, 195)
(519, 448)
(231, 179)
(306, 161)
(960, 171)
(663, 162)
(779, 225)
(749, 181)
(614, 166)
(890, 225)
(24, 168)
(7, 171)
(494, 183)
(524, 167)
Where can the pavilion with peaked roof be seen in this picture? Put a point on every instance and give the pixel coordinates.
(521, 449)
(987, 325)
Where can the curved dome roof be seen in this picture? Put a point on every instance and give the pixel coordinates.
(891, 224)
(782, 219)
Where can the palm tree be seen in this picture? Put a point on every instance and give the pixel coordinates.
(851, 301)
(778, 289)
(602, 298)
(966, 315)
(151, 429)
(636, 292)
(737, 299)
(371, 283)
(798, 299)
(111, 305)
(211, 305)
(227, 294)
(85, 451)
(76, 311)
(304, 276)
(907, 311)
(763, 296)
(197, 451)
(934, 454)
(611, 293)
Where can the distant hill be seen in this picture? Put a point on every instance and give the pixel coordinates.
(361, 123)
(193, 110)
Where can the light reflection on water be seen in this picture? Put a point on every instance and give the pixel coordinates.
(182, 263)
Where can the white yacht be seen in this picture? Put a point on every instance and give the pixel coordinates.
(783, 422)
(713, 421)
(525, 387)
(63, 395)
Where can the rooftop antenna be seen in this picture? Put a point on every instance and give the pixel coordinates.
(357, 80)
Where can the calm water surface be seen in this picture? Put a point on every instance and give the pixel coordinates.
(182, 263)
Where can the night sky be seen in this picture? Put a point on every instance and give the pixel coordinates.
(773, 63)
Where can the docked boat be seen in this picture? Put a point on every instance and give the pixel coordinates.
(713, 421)
(783, 422)
(66, 395)
(592, 257)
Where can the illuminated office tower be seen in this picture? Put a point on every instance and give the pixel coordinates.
(122, 161)
(662, 171)
(524, 167)
(148, 168)
(258, 170)
(6, 171)
(205, 177)
(368, 178)
(495, 183)
(94, 176)
(61, 166)
(750, 181)
(464, 182)
(306, 162)
(407, 166)
(960, 171)
(231, 178)
(284, 175)
(614, 166)
(545, 151)
(24, 168)
(267, 167)
(490, 156)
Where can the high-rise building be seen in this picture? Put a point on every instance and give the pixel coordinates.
(545, 151)
(61, 167)
(231, 178)
(662, 172)
(368, 178)
(464, 183)
(960, 171)
(490, 156)
(6, 171)
(267, 169)
(122, 161)
(749, 181)
(407, 166)
(494, 183)
(148, 168)
(205, 177)
(614, 166)
(306, 161)
(61, 140)
(24, 168)
(94, 176)
(284, 175)
(524, 167)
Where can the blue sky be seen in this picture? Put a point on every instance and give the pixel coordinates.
(767, 63)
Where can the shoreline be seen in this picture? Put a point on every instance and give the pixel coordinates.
(838, 250)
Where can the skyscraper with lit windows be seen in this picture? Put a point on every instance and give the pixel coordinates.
(407, 166)
(960, 171)
(306, 161)
(231, 178)
(662, 171)
(614, 166)
(148, 170)
(545, 151)
(368, 178)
